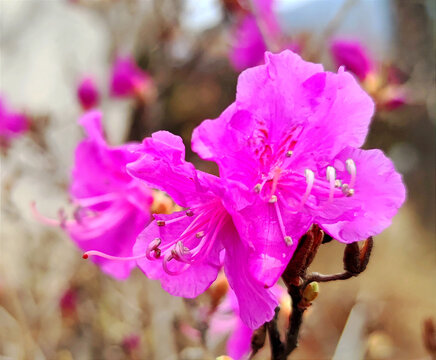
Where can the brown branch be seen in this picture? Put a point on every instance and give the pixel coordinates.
(325, 278)
(258, 340)
(277, 347)
(295, 319)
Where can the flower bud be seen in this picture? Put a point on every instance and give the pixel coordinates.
(311, 292)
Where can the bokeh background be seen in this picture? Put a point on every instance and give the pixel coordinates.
(54, 305)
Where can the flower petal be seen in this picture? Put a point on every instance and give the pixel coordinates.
(189, 283)
(378, 194)
(113, 232)
(260, 228)
(162, 166)
(256, 304)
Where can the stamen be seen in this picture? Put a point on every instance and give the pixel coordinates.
(310, 178)
(189, 213)
(168, 257)
(273, 199)
(331, 177)
(199, 235)
(338, 183)
(276, 177)
(257, 188)
(351, 168)
(41, 218)
(62, 218)
(286, 238)
(110, 257)
(347, 190)
(160, 223)
(153, 246)
(289, 153)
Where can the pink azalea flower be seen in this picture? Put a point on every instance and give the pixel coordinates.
(12, 124)
(112, 207)
(248, 43)
(292, 137)
(353, 56)
(128, 79)
(87, 93)
(184, 250)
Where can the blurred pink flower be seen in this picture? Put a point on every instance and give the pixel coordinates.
(292, 138)
(12, 124)
(380, 81)
(353, 56)
(248, 43)
(87, 93)
(111, 207)
(128, 80)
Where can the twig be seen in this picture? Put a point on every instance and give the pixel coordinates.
(258, 341)
(324, 278)
(277, 347)
(295, 319)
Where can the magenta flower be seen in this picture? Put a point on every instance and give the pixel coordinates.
(12, 124)
(111, 207)
(185, 250)
(248, 43)
(353, 56)
(128, 79)
(87, 93)
(292, 137)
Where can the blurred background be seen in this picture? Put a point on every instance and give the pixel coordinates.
(54, 305)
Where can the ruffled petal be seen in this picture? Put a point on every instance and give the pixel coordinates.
(162, 165)
(196, 278)
(98, 167)
(378, 194)
(344, 123)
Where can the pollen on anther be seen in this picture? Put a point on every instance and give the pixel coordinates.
(160, 223)
(338, 183)
(189, 212)
(350, 193)
(288, 240)
(289, 153)
(257, 188)
(200, 234)
(273, 199)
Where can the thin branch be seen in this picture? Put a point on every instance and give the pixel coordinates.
(325, 278)
(295, 320)
(277, 347)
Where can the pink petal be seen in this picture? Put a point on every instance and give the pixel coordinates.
(189, 283)
(379, 193)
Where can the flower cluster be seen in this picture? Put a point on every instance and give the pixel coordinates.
(127, 80)
(288, 152)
